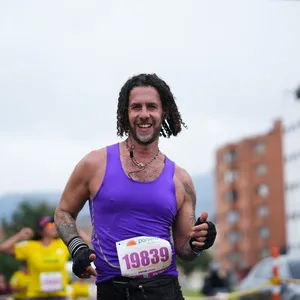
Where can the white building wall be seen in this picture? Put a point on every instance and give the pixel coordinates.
(291, 149)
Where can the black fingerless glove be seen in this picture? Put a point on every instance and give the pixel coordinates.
(81, 261)
(80, 253)
(210, 238)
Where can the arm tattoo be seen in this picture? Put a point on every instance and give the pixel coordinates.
(192, 195)
(66, 227)
(185, 252)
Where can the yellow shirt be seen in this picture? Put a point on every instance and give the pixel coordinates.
(46, 266)
(19, 280)
(80, 290)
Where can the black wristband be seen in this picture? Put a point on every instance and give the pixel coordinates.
(75, 244)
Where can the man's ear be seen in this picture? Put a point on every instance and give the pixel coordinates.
(165, 114)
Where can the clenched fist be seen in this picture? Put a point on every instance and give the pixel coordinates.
(26, 233)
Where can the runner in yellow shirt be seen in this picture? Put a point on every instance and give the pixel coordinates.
(19, 282)
(46, 258)
(81, 290)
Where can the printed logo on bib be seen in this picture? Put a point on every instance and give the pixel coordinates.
(144, 256)
(51, 282)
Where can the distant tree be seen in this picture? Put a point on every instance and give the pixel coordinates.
(200, 263)
(25, 215)
(8, 265)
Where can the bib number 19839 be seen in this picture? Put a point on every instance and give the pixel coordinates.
(143, 256)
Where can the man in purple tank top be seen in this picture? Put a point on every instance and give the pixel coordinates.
(142, 204)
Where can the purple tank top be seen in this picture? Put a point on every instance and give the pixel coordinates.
(124, 208)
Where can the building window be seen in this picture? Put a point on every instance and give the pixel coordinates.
(229, 156)
(292, 127)
(292, 157)
(292, 186)
(263, 211)
(295, 246)
(230, 176)
(259, 148)
(234, 236)
(262, 190)
(233, 216)
(264, 232)
(231, 196)
(293, 215)
(261, 169)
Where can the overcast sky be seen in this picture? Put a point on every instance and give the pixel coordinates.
(62, 64)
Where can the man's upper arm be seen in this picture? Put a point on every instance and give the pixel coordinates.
(185, 218)
(76, 191)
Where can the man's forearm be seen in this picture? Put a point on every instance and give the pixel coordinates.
(185, 252)
(66, 226)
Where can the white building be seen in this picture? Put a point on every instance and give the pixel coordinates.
(291, 148)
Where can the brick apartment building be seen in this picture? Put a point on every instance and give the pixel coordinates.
(250, 208)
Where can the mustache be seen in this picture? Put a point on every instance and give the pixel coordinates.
(144, 123)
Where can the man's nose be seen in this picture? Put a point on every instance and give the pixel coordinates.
(144, 114)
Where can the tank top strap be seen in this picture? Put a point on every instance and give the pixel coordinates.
(113, 159)
(112, 150)
(169, 168)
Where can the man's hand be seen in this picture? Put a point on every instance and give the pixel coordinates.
(82, 263)
(204, 234)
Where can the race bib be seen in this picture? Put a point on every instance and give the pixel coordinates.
(144, 256)
(51, 282)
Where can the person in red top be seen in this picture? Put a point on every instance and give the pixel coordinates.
(4, 287)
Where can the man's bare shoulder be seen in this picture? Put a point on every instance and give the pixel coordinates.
(95, 155)
(92, 161)
(181, 175)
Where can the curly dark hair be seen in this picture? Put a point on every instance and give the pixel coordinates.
(173, 123)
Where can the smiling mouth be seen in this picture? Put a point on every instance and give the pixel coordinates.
(144, 125)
